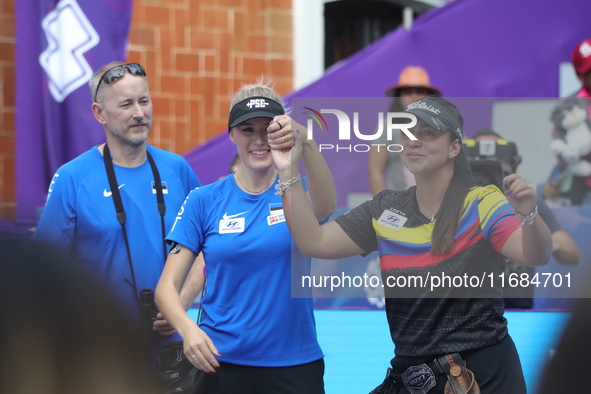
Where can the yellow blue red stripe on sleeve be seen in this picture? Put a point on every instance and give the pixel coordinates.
(486, 214)
(497, 217)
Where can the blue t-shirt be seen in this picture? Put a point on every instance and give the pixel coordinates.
(79, 217)
(248, 310)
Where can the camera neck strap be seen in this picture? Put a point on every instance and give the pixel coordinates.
(122, 217)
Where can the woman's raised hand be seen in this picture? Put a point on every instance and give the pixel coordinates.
(285, 139)
(521, 194)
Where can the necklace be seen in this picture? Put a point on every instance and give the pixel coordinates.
(426, 214)
(256, 191)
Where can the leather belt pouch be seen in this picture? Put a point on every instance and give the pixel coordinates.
(460, 380)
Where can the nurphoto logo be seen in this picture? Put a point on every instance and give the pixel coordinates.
(386, 122)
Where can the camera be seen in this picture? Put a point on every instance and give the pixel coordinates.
(492, 160)
(148, 309)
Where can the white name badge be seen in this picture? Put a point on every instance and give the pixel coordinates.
(392, 220)
(275, 219)
(229, 226)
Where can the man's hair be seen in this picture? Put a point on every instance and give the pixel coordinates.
(486, 131)
(259, 88)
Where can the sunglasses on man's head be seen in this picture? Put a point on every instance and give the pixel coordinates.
(114, 73)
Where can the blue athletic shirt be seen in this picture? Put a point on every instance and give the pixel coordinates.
(80, 217)
(248, 309)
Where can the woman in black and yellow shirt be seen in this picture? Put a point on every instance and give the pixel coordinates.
(446, 231)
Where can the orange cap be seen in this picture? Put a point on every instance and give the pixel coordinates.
(415, 77)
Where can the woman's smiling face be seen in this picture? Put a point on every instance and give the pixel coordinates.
(250, 138)
(430, 151)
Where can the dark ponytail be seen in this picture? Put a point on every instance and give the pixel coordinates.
(452, 205)
(450, 211)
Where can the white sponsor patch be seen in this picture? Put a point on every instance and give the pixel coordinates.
(392, 220)
(229, 226)
(275, 219)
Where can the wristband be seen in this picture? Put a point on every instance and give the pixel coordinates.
(282, 187)
(529, 218)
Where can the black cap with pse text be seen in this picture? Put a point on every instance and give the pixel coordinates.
(254, 107)
(431, 110)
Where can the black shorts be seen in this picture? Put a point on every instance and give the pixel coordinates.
(497, 369)
(240, 379)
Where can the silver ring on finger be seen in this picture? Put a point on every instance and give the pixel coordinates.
(530, 185)
(193, 356)
(282, 140)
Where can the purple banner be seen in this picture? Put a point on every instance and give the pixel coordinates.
(59, 46)
(471, 48)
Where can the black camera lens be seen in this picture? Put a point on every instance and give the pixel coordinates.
(148, 309)
(146, 296)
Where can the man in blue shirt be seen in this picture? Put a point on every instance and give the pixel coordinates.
(110, 207)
